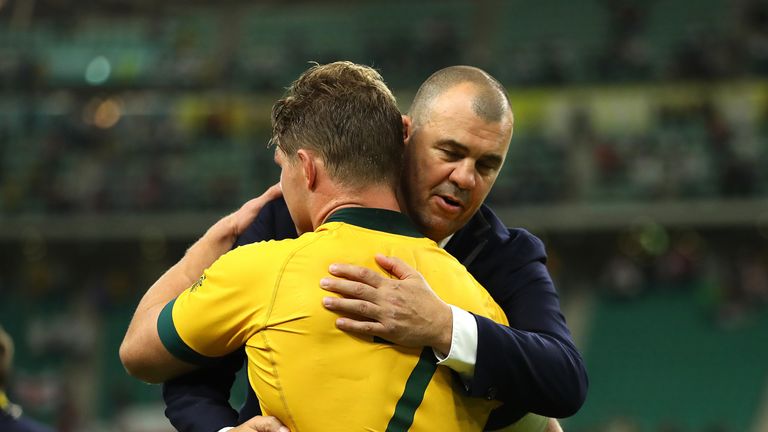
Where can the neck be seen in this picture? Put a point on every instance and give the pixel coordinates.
(382, 197)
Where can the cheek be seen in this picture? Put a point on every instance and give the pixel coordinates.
(433, 170)
(481, 191)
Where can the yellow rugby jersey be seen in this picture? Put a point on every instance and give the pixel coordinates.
(305, 371)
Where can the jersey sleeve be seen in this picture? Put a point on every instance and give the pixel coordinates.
(222, 310)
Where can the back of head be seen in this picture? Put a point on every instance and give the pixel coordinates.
(6, 357)
(345, 113)
(491, 102)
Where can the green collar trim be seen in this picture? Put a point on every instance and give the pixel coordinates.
(376, 219)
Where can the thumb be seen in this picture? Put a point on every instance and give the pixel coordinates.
(265, 424)
(245, 215)
(274, 191)
(396, 267)
(254, 206)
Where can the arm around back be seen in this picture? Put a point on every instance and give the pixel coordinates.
(532, 365)
(199, 401)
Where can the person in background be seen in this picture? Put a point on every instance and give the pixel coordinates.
(11, 418)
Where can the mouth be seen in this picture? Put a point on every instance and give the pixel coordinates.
(449, 203)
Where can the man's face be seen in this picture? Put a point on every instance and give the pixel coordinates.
(291, 183)
(452, 160)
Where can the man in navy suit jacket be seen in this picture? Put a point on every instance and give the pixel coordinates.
(453, 156)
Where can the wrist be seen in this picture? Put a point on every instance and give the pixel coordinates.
(444, 336)
(221, 235)
(217, 241)
(463, 353)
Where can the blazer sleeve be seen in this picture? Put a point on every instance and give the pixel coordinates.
(199, 401)
(532, 365)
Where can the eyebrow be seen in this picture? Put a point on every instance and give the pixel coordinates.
(491, 158)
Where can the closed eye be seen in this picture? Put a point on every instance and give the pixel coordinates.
(484, 169)
(451, 154)
(488, 164)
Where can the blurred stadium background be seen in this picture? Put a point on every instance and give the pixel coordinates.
(639, 156)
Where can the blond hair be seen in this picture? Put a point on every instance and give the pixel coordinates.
(346, 113)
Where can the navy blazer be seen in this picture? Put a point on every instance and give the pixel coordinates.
(531, 366)
(10, 423)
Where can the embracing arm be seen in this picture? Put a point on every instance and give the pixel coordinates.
(406, 311)
(532, 364)
(141, 352)
(199, 401)
(546, 365)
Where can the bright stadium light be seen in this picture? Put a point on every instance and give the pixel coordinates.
(98, 71)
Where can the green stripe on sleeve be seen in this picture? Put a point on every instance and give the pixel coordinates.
(173, 342)
(413, 393)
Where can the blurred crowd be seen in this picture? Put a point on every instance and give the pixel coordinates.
(67, 305)
(263, 46)
(726, 274)
(170, 112)
(690, 151)
(209, 152)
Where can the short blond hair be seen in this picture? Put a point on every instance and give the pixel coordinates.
(347, 114)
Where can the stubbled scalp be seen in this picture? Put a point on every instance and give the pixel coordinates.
(490, 101)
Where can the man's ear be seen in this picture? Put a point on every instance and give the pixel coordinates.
(407, 125)
(309, 167)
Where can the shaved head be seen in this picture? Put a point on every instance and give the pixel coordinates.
(458, 131)
(489, 102)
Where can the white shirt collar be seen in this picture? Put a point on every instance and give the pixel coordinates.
(444, 241)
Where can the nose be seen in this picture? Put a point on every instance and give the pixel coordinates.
(463, 175)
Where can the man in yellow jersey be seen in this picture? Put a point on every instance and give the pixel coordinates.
(339, 180)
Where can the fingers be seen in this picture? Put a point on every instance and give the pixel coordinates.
(354, 307)
(368, 328)
(254, 205)
(243, 217)
(396, 267)
(553, 426)
(264, 424)
(352, 289)
(274, 191)
(356, 273)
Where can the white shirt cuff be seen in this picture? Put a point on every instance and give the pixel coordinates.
(225, 429)
(463, 354)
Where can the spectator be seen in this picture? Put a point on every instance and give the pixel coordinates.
(11, 419)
